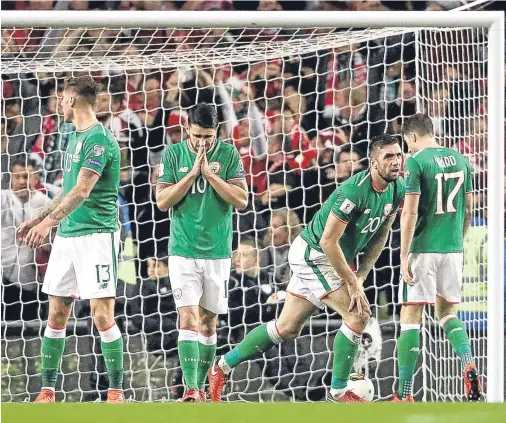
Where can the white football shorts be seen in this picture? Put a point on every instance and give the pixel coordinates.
(83, 267)
(435, 275)
(202, 282)
(313, 276)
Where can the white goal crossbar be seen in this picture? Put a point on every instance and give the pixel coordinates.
(493, 21)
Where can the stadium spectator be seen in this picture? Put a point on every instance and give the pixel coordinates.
(20, 275)
(285, 226)
(249, 291)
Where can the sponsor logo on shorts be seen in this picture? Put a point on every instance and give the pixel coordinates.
(347, 206)
(178, 293)
(94, 162)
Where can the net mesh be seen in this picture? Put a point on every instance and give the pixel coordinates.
(300, 105)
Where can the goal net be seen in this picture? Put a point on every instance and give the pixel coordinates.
(300, 104)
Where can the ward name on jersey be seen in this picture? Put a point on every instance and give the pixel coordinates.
(201, 224)
(95, 149)
(364, 209)
(442, 177)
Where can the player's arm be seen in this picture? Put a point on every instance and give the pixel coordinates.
(468, 215)
(329, 243)
(23, 229)
(408, 223)
(86, 180)
(169, 192)
(469, 212)
(374, 249)
(234, 190)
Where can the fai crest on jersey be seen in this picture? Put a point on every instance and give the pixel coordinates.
(98, 150)
(75, 156)
(407, 172)
(347, 206)
(388, 209)
(215, 167)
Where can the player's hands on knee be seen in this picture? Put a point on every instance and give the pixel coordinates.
(407, 273)
(358, 299)
(196, 169)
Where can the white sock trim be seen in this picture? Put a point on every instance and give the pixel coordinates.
(337, 393)
(273, 332)
(409, 326)
(187, 335)
(446, 319)
(352, 335)
(222, 364)
(110, 335)
(54, 333)
(207, 340)
(47, 388)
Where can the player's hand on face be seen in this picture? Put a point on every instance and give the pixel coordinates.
(407, 273)
(36, 236)
(358, 300)
(25, 227)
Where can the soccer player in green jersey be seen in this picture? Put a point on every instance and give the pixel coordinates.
(358, 214)
(201, 179)
(84, 254)
(435, 218)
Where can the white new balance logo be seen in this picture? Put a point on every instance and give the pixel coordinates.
(367, 211)
(183, 169)
(415, 349)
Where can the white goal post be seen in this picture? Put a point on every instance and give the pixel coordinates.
(370, 25)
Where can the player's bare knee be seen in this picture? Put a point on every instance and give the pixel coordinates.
(289, 329)
(102, 311)
(188, 318)
(411, 314)
(207, 324)
(59, 311)
(356, 322)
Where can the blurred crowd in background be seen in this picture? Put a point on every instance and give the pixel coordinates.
(301, 123)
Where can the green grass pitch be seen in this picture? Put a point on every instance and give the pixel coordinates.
(253, 413)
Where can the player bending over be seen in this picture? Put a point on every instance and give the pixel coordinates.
(84, 255)
(435, 218)
(359, 213)
(200, 179)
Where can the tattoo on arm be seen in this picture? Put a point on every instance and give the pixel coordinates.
(85, 183)
(71, 202)
(50, 207)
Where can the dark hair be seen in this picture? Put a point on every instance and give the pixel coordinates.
(203, 115)
(22, 159)
(346, 148)
(85, 88)
(381, 141)
(420, 124)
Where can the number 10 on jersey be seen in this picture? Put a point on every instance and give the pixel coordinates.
(199, 185)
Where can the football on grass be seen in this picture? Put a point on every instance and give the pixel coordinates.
(361, 386)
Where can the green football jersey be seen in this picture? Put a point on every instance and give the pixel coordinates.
(97, 150)
(442, 177)
(201, 223)
(362, 207)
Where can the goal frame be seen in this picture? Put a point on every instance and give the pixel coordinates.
(493, 21)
